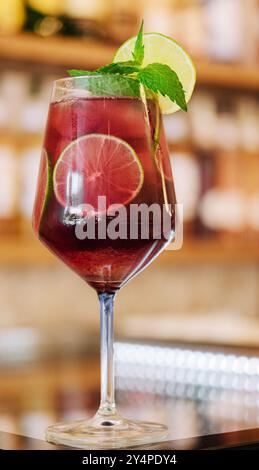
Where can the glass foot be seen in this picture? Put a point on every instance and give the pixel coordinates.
(106, 432)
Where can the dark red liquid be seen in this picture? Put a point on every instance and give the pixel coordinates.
(105, 264)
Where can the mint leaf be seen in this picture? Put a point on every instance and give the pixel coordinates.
(123, 68)
(161, 78)
(80, 73)
(108, 85)
(138, 53)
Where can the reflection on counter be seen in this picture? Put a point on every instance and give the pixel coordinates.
(194, 390)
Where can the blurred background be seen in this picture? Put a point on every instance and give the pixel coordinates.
(203, 296)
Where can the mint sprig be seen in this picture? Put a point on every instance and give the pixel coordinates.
(159, 78)
(138, 53)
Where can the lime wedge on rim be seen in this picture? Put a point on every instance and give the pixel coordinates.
(97, 165)
(164, 50)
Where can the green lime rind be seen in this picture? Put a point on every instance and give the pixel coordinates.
(101, 136)
(48, 188)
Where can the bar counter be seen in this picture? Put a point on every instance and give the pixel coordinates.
(208, 396)
(243, 439)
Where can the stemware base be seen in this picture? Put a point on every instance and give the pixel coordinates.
(106, 432)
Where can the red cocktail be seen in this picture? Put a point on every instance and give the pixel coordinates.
(113, 154)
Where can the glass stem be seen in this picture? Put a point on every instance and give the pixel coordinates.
(107, 405)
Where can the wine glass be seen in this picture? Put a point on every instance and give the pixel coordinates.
(105, 206)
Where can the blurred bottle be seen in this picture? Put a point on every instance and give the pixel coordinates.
(183, 21)
(207, 163)
(192, 27)
(226, 30)
(248, 120)
(88, 17)
(47, 7)
(223, 207)
(187, 179)
(34, 110)
(92, 9)
(239, 168)
(123, 21)
(68, 17)
(159, 15)
(189, 26)
(44, 17)
(227, 132)
(28, 170)
(251, 22)
(202, 113)
(251, 175)
(14, 89)
(177, 129)
(3, 111)
(12, 16)
(8, 187)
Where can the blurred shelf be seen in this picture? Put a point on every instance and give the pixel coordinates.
(19, 138)
(213, 149)
(89, 53)
(236, 76)
(59, 51)
(213, 251)
(23, 138)
(19, 251)
(49, 376)
(28, 251)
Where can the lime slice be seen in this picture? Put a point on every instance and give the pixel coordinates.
(162, 49)
(43, 189)
(97, 165)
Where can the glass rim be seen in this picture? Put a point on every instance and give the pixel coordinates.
(60, 82)
(68, 79)
(68, 85)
